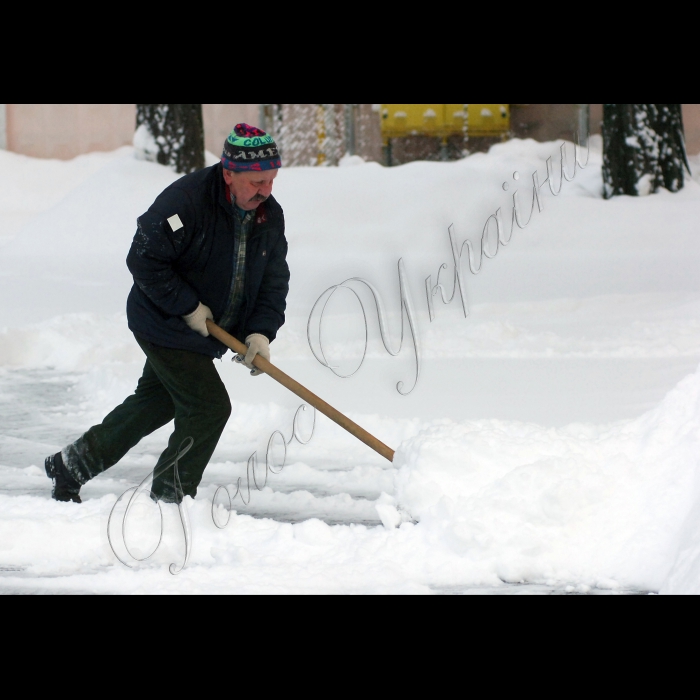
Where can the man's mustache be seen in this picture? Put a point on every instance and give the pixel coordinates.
(258, 198)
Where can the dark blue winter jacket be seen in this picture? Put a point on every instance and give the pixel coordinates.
(183, 253)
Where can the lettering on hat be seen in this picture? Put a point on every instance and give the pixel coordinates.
(252, 155)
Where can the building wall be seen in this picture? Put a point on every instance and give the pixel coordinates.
(66, 130)
(691, 126)
(3, 126)
(219, 120)
(549, 122)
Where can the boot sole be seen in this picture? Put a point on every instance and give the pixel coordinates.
(62, 496)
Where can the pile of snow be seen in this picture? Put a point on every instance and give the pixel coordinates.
(69, 342)
(582, 503)
(684, 577)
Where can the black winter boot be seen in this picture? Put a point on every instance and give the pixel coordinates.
(65, 487)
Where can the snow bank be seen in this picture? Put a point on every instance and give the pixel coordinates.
(358, 221)
(70, 256)
(581, 503)
(69, 342)
(29, 186)
(684, 577)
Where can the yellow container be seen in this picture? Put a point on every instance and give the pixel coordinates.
(443, 120)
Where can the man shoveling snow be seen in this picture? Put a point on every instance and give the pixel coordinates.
(211, 246)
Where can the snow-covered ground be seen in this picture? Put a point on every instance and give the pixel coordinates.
(550, 444)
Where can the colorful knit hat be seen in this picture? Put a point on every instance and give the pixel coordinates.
(250, 148)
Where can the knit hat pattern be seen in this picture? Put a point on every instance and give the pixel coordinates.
(250, 148)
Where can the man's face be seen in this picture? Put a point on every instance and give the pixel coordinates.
(250, 187)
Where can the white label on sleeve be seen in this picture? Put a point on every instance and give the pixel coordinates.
(175, 223)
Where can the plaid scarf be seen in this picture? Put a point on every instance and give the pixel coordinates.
(241, 230)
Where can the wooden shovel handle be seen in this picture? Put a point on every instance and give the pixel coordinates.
(303, 393)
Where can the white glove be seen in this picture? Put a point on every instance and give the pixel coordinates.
(257, 345)
(197, 320)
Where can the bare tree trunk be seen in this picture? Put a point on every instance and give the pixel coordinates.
(643, 149)
(171, 135)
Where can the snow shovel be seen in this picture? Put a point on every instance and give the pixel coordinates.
(302, 392)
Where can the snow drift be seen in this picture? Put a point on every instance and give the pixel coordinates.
(581, 503)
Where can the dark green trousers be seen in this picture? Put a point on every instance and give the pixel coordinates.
(176, 384)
